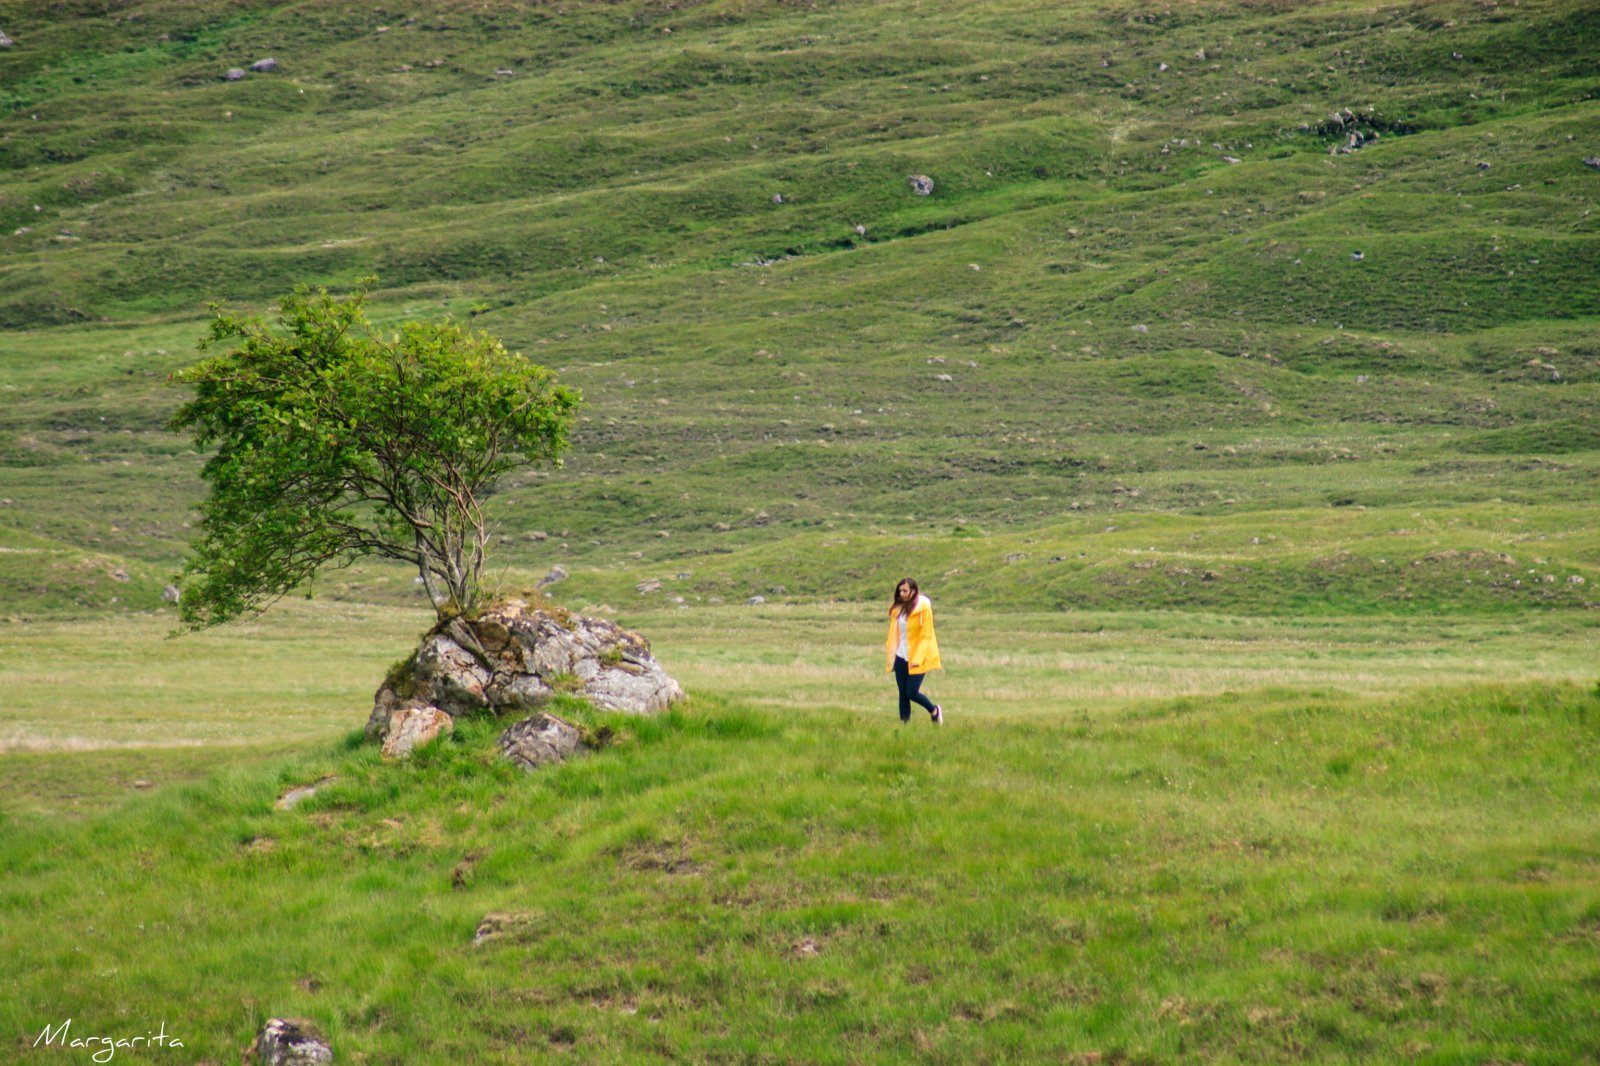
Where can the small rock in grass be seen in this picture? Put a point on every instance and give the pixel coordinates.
(557, 573)
(756, 601)
(292, 798)
(921, 184)
(411, 727)
(541, 740)
(943, 377)
(264, 66)
(233, 74)
(171, 594)
(285, 1042)
(650, 585)
(1593, 162)
(497, 924)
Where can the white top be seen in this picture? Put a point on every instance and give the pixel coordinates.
(902, 650)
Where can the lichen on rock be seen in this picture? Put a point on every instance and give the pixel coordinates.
(514, 656)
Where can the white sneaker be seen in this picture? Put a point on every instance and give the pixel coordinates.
(938, 715)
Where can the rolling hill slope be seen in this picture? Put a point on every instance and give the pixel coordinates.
(1141, 282)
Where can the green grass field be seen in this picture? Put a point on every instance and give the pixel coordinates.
(1151, 837)
(1254, 482)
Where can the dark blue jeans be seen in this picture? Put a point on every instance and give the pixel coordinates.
(910, 686)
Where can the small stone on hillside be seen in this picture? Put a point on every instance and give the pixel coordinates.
(921, 184)
(1593, 162)
(557, 573)
(264, 66)
(171, 594)
(777, 197)
(1141, 328)
(290, 799)
(861, 231)
(1358, 256)
(649, 585)
(504, 72)
(943, 377)
(538, 534)
(756, 601)
(233, 74)
(5, 42)
(282, 1042)
(119, 574)
(1015, 557)
(541, 740)
(497, 924)
(411, 727)
(721, 527)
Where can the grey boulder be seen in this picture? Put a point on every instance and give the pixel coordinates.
(514, 656)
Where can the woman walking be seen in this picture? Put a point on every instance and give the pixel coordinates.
(912, 648)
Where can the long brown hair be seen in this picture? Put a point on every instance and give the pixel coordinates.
(906, 605)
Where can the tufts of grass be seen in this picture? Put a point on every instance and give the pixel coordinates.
(1228, 877)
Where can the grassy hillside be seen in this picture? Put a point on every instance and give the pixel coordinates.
(1130, 320)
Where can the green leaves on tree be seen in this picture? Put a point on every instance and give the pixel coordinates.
(334, 442)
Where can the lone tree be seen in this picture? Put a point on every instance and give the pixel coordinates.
(336, 442)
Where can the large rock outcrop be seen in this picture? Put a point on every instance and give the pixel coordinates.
(513, 657)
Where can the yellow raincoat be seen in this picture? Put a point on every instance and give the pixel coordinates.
(922, 647)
